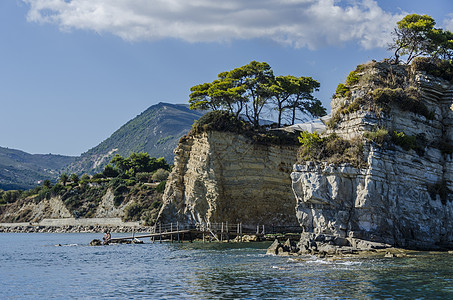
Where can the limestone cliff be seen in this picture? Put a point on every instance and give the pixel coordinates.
(403, 196)
(227, 177)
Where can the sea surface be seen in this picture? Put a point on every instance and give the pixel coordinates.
(33, 267)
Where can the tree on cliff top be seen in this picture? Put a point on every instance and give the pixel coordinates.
(416, 36)
(294, 94)
(252, 87)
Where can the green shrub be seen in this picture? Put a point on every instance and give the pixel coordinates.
(436, 67)
(97, 176)
(58, 189)
(116, 182)
(219, 121)
(274, 137)
(360, 68)
(352, 78)
(11, 196)
(144, 176)
(406, 100)
(379, 135)
(160, 175)
(342, 91)
(133, 212)
(407, 142)
(118, 200)
(310, 140)
(119, 190)
(332, 149)
(161, 187)
(131, 181)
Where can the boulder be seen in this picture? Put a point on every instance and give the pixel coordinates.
(96, 242)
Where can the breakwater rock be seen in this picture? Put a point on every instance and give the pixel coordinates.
(71, 225)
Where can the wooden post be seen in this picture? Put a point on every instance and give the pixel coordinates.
(263, 231)
(133, 233)
(177, 229)
(160, 232)
(227, 233)
(257, 229)
(171, 234)
(210, 235)
(221, 233)
(241, 231)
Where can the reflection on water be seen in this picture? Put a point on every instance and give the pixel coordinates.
(33, 267)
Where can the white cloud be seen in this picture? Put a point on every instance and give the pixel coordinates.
(448, 23)
(299, 23)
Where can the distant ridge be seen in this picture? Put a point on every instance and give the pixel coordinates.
(155, 131)
(21, 170)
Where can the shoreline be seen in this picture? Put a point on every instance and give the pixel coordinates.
(72, 225)
(71, 229)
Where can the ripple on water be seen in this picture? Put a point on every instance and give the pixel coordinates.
(33, 268)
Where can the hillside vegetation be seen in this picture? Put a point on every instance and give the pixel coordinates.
(156, 131)
(21, 170)
(136, 183)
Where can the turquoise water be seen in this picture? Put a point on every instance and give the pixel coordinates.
(32, 267)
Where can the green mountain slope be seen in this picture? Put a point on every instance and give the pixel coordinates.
(21, 170)
(156, 131)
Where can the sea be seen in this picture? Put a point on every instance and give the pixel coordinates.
(63, 266)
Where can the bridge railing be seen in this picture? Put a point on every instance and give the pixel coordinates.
(224, 227)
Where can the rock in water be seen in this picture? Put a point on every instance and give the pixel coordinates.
(273, 249)
(95, 242)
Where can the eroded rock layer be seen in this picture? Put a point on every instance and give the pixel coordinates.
(403, 198)
(226, 177)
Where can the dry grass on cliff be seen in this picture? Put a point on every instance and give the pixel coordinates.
(226, 122)
(434, 67)
(332, 149)
(387, 86)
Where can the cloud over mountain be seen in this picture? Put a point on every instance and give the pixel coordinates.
(297, 23)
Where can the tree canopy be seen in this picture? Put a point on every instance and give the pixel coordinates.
(135, 163)
(415, 35)
(249, 89)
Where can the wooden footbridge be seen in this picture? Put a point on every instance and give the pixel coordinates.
(177, 232)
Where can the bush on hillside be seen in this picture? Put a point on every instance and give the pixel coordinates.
(332, 149)
(219, 120)
(435, 67)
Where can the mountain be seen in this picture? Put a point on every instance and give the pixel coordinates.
(21, 170)
(156, 131)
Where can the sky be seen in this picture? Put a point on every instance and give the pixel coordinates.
(74, 71)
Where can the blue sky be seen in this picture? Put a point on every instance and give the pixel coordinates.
(72, 72)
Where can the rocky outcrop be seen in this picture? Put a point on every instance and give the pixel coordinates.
(227, 177)
(403, 198)
(29, 210)
(32, 211)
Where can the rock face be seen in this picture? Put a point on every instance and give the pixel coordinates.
(28, 210)
(403, 198)
(225, 177)
(34, 212)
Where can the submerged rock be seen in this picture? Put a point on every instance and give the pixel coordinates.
(287, 248)
(96, 242)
